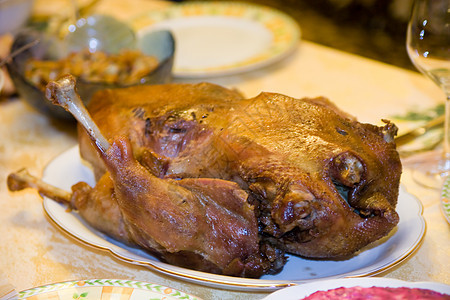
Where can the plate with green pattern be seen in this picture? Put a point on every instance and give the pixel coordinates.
(104, 289)
(222, 38)
(445, 199)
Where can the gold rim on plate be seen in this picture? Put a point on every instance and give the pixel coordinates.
(388, 252)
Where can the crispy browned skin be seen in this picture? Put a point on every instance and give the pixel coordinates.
(205, 224)
(323, 185)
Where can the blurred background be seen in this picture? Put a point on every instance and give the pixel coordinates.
(375, 29)
(371, 28)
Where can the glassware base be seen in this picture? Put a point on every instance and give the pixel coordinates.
(429, 169)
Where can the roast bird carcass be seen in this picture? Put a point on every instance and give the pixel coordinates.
(206, 179)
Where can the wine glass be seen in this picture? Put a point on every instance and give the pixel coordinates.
(428, 46)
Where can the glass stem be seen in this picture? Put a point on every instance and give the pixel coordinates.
(446, 166)
(447, 126)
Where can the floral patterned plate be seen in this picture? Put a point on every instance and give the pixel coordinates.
(104, 289)
(222, 38)
(445, 199)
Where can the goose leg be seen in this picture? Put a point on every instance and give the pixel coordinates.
(62, 93)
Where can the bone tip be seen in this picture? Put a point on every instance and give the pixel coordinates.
(64, 84)
(16, 182)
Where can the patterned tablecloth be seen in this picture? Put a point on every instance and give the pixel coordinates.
(34, 252)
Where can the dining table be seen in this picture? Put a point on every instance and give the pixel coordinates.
(35, 252)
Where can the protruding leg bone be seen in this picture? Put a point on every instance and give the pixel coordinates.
(22, 179)
(62, 93)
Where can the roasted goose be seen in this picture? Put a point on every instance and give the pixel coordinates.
(206, 179)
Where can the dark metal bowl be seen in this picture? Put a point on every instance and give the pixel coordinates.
(158, 43)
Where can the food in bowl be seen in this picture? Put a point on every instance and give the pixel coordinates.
(126, 68)
(159, 44)
(205, 179)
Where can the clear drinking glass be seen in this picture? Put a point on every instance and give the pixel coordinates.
(428, 46)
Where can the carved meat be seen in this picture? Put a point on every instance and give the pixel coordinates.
(208, 180)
